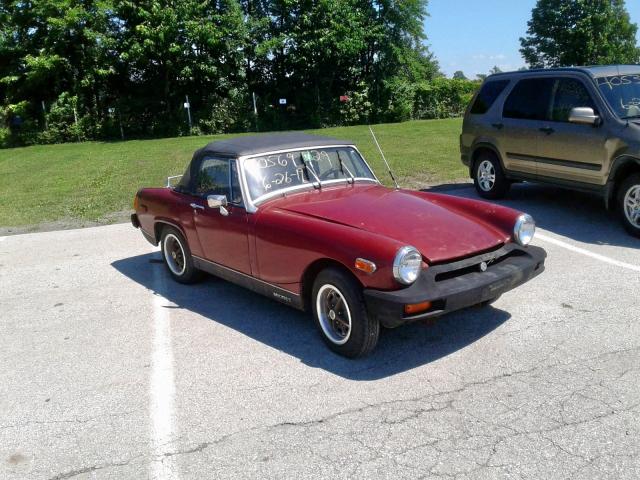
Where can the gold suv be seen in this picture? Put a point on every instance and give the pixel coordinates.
(573, 127)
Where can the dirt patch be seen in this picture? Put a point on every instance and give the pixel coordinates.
(68, 224)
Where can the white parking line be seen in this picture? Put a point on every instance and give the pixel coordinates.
(597, 256)
(2, 239)
(162, 387)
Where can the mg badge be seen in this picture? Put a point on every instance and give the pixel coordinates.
(483, 267)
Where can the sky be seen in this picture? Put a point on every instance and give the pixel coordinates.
(475, 35)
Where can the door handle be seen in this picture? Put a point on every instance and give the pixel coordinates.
(196, 206)
(547, 130)
(499, 126)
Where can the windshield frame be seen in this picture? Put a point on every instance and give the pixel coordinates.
(613, 109)
(251, 204)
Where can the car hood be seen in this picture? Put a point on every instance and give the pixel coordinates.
(439, 233)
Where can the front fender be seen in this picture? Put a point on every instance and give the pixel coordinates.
(620, 168)
(287, 243)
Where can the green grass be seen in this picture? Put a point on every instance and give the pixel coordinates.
(89, 181)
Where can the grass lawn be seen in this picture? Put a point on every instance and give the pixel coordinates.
(89, 182)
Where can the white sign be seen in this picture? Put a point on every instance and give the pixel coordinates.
(186, 105)
(283, 101)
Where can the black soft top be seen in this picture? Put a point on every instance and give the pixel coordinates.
(254, 145)
(257, 144)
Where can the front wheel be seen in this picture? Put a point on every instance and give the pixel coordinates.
(629, 204)
(341, 316)
(488, 177)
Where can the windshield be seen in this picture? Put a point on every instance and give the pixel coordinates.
(319, 166)
(622, 92)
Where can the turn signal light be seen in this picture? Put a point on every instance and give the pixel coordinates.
(135, 203)
(415, 308)
(366, 266)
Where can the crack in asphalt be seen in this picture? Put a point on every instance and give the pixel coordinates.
(414, 412)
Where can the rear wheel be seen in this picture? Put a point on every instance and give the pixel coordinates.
(629, 204)
(489, 178)
(177, 256)
(340, 314)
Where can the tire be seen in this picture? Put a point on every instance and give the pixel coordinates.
(332, 288)
(489, 178)
(177, 256)
(629, 204)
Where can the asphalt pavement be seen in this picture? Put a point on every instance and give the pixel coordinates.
(109, 369)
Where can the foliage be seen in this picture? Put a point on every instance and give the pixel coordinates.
(459, 75)
(106, 68)
(579, 32)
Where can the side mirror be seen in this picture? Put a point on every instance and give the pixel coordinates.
(584, 116)
(219, 202)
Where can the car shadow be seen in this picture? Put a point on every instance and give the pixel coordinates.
(577, 215)
(294, 333)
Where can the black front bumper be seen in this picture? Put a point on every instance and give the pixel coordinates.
(458, 285)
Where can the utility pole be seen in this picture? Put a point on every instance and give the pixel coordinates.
(255, 109)
(46, 121)
(75, 119)
(187, 105)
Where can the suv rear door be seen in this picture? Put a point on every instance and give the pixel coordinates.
(570, 151)
(524, 119)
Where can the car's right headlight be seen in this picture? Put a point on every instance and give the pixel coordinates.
(524, 229)
(406, 265)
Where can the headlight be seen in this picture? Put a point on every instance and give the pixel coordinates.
(406, 265)
(524, 229)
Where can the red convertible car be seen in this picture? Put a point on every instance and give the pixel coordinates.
(304, 220)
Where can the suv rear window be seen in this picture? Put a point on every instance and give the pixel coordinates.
(487, 95)
(529, 99)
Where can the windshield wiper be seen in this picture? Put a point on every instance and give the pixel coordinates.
(344, 167)
(631, 116)
(310, 169)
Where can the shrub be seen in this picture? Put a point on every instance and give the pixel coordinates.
(399, 94)
(357, 108)
(443, 98)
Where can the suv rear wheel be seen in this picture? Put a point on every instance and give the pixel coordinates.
(629, 204)
(488, 177)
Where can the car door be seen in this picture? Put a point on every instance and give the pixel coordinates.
(524, 116)
(223, 233)
(570, 151)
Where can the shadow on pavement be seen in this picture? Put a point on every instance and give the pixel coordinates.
(577, 215)
(293, 332)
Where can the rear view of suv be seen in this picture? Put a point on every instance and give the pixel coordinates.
(572, 127)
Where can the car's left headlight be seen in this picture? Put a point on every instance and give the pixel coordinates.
(524, 229)
(406, 265)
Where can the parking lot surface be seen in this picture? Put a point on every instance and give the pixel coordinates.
(109, 369)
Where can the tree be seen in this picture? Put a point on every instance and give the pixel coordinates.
(494, 70)
(459, 75)
(482, 76)
(579, 32)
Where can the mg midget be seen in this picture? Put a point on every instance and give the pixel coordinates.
(304, 220)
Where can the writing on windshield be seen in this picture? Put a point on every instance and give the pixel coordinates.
(270, 173)
(622, 92)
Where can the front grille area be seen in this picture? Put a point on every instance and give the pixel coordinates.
(473, 264)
